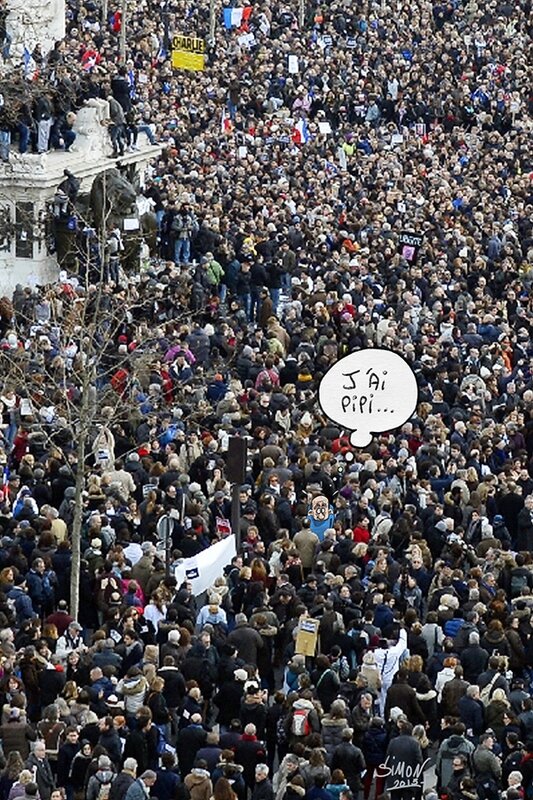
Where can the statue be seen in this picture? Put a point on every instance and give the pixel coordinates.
(112, 198)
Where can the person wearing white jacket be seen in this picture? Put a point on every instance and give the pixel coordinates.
(388, 659)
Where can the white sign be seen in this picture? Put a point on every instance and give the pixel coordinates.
(368, 392)
(293, 65)
(201, 570)
(131, 224)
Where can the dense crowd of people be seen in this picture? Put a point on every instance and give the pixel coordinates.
(361, 180)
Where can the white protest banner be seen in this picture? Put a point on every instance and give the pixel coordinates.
(201, 570)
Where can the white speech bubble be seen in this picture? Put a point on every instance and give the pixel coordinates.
(368, 392)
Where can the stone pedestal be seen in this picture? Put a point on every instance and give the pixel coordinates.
(29, 24)
(27, 187)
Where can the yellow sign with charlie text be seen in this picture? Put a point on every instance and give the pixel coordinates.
(188, 52)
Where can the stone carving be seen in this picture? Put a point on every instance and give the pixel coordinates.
(40, 23)
(91, 129)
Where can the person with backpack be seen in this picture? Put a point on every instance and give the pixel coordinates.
(302, 720)
(21, 603)
(99, 786)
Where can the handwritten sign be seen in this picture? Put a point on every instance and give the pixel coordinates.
(401, 775)
(368, 392)
(188, 53)
(307, 637)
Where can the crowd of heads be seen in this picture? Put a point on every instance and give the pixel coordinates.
(336, 178)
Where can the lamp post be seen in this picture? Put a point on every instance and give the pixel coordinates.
(123, 24)
(212, 22)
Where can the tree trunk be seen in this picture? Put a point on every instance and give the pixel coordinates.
(78, 513)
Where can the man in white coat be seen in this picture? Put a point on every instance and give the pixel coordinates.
(388, 657)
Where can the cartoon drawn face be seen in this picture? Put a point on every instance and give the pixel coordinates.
(319, 508)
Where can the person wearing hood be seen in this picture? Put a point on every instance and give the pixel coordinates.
(301, 707)
(198, 782)
(333, 725)
(77, 772)
(17, 734)
(133, 689)
(143, 569)
(100, 783)
(295, 789)
(456, 744)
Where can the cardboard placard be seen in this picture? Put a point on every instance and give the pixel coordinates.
(307, 637)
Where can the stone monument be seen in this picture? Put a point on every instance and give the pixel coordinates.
(28, 182)
(29, 24)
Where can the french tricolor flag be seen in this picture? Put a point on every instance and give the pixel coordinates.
(226, 125)
(301, 133)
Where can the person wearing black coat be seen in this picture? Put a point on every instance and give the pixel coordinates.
(175, 689)
(350, 759)
(51, 683)
(228, 700)
(65, 757)
(141, 744)
(190, 740)
(474, 658)
(110, 739)
(326, 682)
(120, 89)
(401, 695)
(262, 788)
(471, 711)
(403, 752)
(374, 749)
(249, 753)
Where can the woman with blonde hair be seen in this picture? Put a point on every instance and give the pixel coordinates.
(419, 733)
(495, 713)
(415, 667)
(18, 788)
